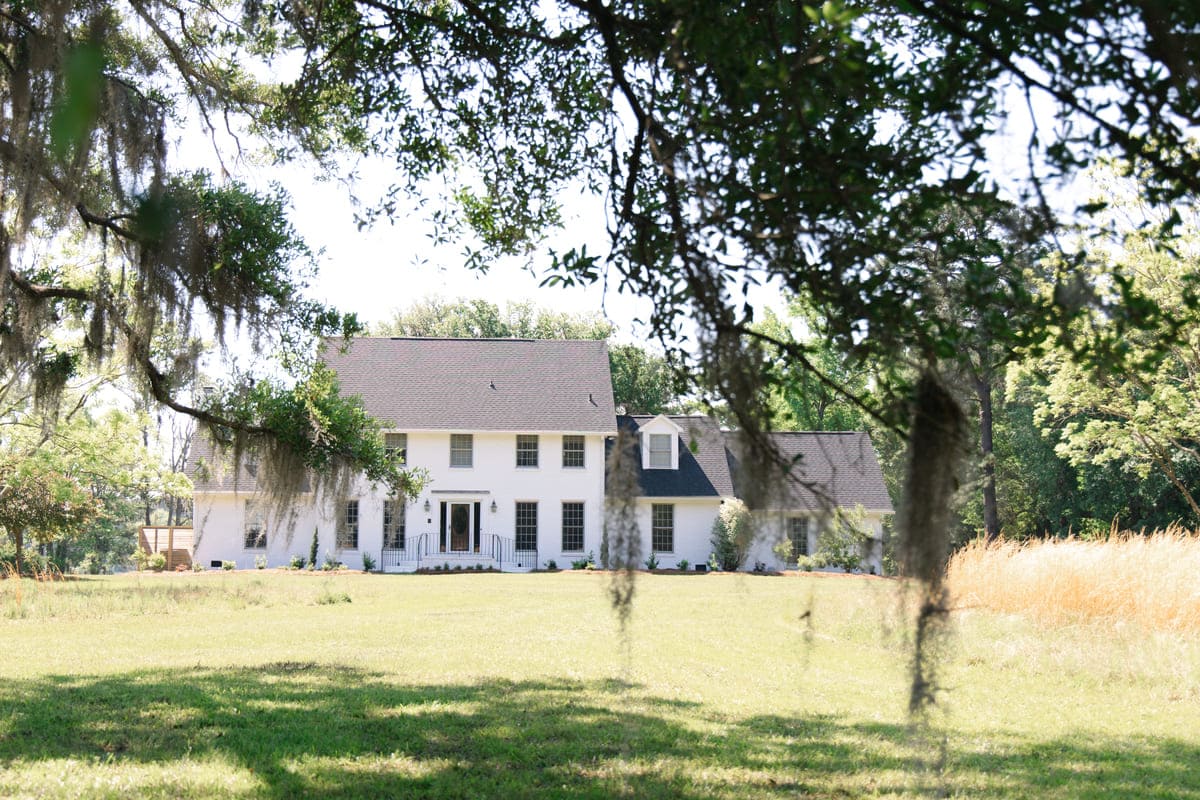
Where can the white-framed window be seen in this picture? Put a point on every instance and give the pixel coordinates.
(572, 451)
(572, 527)
(527, 450)
(347, 535)
(396, 444)
(797, 533)
(662, 528)
(255, 537)
(527, 526)
(395, 516)
(462, 449)
(660, 451)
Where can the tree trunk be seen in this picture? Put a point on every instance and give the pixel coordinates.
(991, 515)
(19, 540)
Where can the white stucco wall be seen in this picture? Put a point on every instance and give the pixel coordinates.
(493, 477)
(693, 529)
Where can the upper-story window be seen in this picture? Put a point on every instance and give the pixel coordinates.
(462, 449)
(527, 450)
(396, 444)
(660, 451)
(572, 451)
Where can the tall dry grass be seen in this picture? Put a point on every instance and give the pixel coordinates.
(1148, 580)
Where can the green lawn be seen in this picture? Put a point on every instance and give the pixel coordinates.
(273, 685)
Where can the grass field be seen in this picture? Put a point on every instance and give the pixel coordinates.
(282, 685)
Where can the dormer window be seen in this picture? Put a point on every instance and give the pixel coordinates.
(660, 451)
(660, 443)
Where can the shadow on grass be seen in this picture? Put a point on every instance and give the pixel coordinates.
(311, 730)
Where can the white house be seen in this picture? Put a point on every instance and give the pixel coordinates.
(514, 435)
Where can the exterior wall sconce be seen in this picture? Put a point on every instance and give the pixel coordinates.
(426, 505)
(493, 506)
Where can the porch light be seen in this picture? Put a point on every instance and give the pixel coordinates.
(426, 505)
(493, 506)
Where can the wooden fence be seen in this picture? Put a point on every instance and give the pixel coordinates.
(174, 541)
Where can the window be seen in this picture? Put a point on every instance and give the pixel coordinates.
(572, 527)
(660, 451)
(256, 529)
(396, 444)
(797, 533)
(395, 513)
(572, 451)
(347, 535)
(662, 528)
(527, 526)
(462, 448)
(527, 450)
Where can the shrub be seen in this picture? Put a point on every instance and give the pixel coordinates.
(584, 563)
(552, 566)
(330, 564)
(732, 533)
(312, 549)
(368, 562)
(157, 562)
(713, 563)
(140, 559)
(652, 562)
(329, 598)
(683, 564)
(260, 562)
(228, 566)
(841, 542)
(197, 566)
(297, 562)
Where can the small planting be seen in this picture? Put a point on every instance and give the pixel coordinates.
(260, 562)
(297, 562)
(197, 566)
(652, 562)
(228, 566)
(682, 565)
(552, 566)
(312, 550)
(368, 562)
(156, 562)
(328, 598)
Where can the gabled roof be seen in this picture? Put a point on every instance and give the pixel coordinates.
(828, 468)
(703, 467)
(535, 385)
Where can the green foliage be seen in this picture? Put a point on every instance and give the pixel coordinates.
(643, 383)
(841, 541)
(368, 562)
(732, 535)
(156, 562)
(551, 565)
(260, 562)
(312, 552)
(297, 562)
(682, 565)
(229, 566)
(651, 562)
(329, 598)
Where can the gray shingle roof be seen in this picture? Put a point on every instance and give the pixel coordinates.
(703, 467)
(211, 471)
(479, 384)
(839, 468)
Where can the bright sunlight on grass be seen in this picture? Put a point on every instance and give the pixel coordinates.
(257, 684)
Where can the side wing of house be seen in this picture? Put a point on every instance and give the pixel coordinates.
(835, 479)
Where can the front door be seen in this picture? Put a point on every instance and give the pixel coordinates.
(460, 527)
